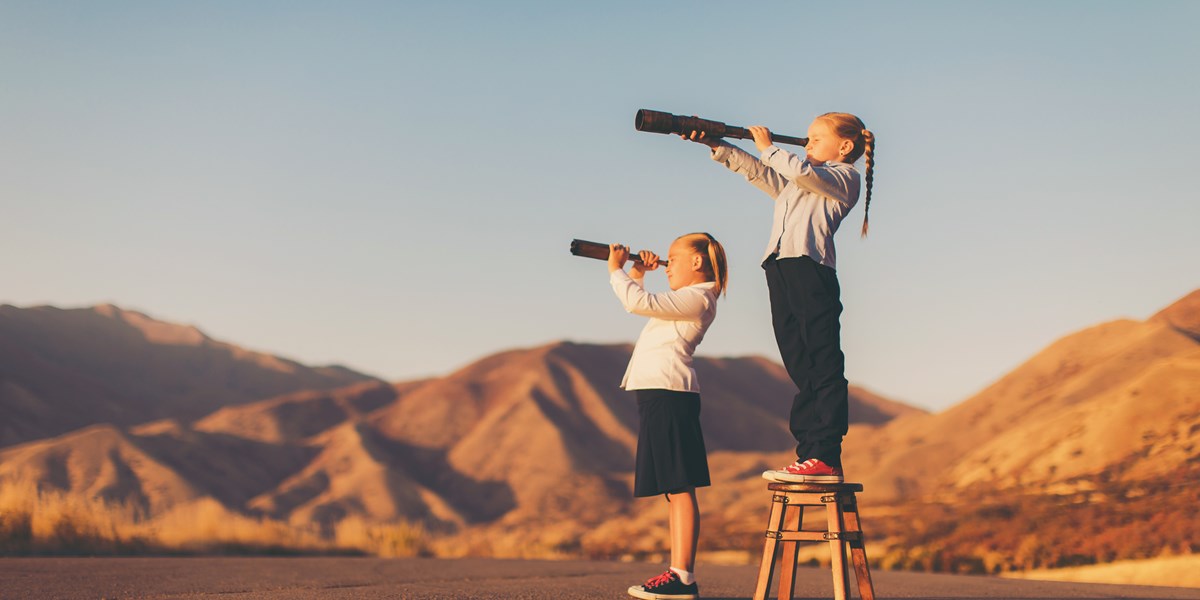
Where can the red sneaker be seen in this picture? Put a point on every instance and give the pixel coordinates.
(809, 471)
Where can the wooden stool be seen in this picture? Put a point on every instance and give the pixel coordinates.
(843, 529)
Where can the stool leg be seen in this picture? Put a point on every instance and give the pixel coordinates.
(858, 551)
(770, 549)
(837, 551)
(793, 519)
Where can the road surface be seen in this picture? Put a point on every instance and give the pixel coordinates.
(267, 578)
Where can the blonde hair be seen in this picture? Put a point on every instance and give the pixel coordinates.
(850, 127)
(713, 254)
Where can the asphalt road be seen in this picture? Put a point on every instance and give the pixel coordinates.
(371, 578)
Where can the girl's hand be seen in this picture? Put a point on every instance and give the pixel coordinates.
(649, 260)
(617, 255)
(762, 137)
(701, 137)
(649, 263)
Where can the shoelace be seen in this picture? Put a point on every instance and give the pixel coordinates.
(663, 579)
(801, 465)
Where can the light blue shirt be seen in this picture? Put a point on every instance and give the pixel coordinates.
(810, 200)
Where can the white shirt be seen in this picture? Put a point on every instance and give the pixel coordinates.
(810, 200)
(662, 357)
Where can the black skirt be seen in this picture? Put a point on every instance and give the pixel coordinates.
(670, 452)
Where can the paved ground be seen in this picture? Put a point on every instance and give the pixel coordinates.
(420, 579)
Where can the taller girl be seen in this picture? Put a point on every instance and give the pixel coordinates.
(812, 195)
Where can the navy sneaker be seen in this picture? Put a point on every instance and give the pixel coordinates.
(665, 587)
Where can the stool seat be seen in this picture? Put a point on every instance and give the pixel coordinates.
(842, 532)
(780, 486)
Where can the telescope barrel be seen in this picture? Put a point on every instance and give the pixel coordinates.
(599, 251)
(654, 121)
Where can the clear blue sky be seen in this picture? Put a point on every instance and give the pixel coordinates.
(392, 186)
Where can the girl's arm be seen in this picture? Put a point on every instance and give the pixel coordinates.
(687, 304)
(839, 181)
(742, 162)
(758, 174)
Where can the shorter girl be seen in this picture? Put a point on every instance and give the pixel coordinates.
(671, 458)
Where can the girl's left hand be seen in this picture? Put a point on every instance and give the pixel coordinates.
(649, 260)
(649, 263)
(617, 255)
(762, 137)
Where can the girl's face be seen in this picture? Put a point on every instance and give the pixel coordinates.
(824, 144)
(684, 266)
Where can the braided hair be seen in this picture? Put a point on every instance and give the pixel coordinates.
(850, 127)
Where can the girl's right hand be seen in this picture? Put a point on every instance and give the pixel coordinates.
(617, 255)
(761, 135)
(701, 137)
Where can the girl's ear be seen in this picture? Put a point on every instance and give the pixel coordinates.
(697, 262)
(846, 147)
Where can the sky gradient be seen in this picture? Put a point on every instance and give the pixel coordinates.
(393, 186)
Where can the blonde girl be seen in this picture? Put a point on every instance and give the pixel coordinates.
(812, 194)
(671, 458)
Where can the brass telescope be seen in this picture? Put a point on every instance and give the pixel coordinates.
(654, 121)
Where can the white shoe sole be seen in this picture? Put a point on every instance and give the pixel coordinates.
(638, 591)
(785, 477)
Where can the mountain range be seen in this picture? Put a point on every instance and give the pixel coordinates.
(529, 452)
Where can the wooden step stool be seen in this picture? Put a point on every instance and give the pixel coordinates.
(842, 529)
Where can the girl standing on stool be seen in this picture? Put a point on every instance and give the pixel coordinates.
(671, 459)
(812, 195)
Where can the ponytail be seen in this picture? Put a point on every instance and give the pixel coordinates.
(715, 265)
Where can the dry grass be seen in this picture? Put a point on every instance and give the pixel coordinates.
(49, 522)
(384, 540)
(1176, 571)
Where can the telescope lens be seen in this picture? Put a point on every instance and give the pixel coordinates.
(653, 121)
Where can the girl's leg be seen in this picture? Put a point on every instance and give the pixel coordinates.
(685, 529)
(788, 322)
(807, 297)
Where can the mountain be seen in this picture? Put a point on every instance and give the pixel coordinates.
(64, 369)
(1183, 315)
(1119, 400)
(508, 443)
(530, 452)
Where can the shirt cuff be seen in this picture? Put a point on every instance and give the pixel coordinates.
(721, 153)
(769, 152)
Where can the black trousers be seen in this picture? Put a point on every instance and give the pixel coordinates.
(805, 311)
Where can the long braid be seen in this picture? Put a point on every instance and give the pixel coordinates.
(869, 144)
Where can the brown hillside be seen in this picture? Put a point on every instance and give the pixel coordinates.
(1122, 391)
(509, 441)
(99, 462)
(1183, 315)
(61, 370)
(296, 416)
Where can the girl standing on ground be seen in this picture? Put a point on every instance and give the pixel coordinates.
(671, 459)
(812, 195)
